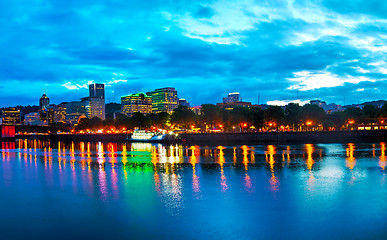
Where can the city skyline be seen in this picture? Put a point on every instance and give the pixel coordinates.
(281, 51)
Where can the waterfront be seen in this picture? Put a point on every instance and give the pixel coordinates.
(154, 191)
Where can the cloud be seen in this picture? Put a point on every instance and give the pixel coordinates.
(205, 49)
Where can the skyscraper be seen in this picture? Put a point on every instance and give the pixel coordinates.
(97, 90)
(44, 102)
(164, 100)
(96, 101)
(139, 102)
(232, 97)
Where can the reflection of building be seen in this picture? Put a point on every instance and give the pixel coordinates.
(11, 116)
(139, 102)
(183, 102)
(60, 112)
(164, 100)
(44, 102)
(232, 97)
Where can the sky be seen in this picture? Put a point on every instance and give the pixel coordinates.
(274, 51)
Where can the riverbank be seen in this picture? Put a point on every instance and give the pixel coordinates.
(237, 138)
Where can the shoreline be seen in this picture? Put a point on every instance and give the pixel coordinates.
(236, 138)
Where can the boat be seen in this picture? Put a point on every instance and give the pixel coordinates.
(149, 136)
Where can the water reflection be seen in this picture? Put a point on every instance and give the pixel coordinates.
(270, 159)
(108, 161)
(350, 160)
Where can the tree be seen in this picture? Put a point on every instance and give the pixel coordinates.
(257, 115)
(275, 115)
(183, 116)
(138, 120)
(122, 121)
(211, 115)
(160, 120)
(313, 113)
(336, 120)
(354, 114)
(370, 113)
(292, 114)
(239, 115)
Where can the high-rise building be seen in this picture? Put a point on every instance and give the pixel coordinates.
(164, 100)
(183, 102)
(44, 102)
(97, 90)
(75, 110)
(11, 116)
(139, 102)
(96, 106)
(232, 97)
(60, 112)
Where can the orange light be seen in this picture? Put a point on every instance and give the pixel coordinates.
(220, 125)
(351, 122)
(382, 121)
(245, 125)
(309, 123)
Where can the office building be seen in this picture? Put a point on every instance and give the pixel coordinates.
(96, 101)
(164, 100)
(32, 118)
(97, 90)
(232, 97)
(60, 112)
(95, 107)
(74, 111)
(44, 102)
(11, 116)
(139, 102)
(183, 102)
(232, 105)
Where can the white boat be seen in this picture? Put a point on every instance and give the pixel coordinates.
(146, 136)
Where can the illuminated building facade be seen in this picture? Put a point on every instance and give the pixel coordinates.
(74, 111)
(139, 102)
(60, 112)
(96, 101)
(164, 100)
(232, 105)
(44, 102)
(97, 90)
(32, 118)
(232, 97)
(11, 116)
(184, 102)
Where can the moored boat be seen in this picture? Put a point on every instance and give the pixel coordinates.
(149, 136)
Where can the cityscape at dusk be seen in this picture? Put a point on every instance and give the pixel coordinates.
(218, 119)
(281, 50)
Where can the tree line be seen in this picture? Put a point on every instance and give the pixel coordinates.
(274, 118)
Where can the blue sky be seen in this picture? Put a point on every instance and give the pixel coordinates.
(328, 50)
